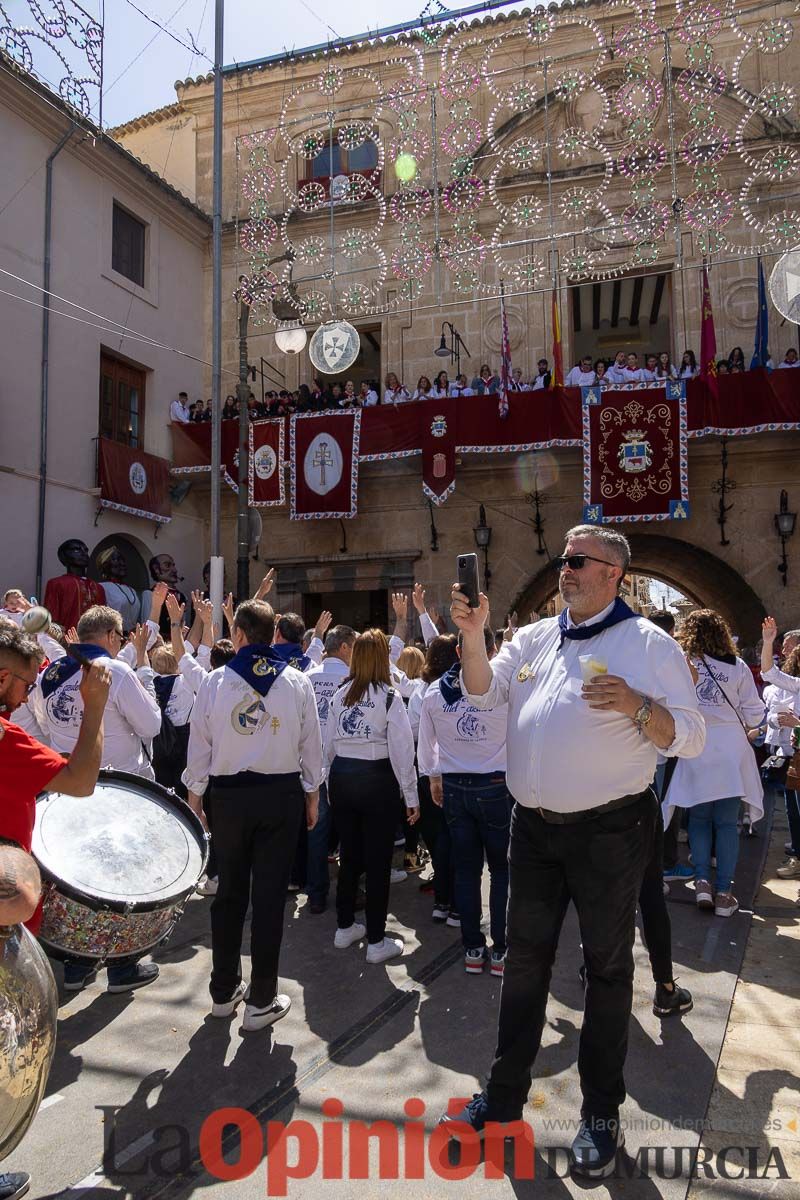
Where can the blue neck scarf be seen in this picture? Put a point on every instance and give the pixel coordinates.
(291, 654)
(450, 684)
(64, 668)
(581, 633)
(258, 665)
(163, 685)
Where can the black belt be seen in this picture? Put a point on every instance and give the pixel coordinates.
(251, 779)
(587, 814)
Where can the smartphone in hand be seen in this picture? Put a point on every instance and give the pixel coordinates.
(468, 581)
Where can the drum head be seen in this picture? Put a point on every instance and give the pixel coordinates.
(131, 844)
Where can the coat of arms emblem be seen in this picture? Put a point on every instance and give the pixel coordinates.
(438, 426)
(635, 452)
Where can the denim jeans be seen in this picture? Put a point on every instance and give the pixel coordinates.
(722, 816)
(317, 874)
(793, 814)
(477, 809)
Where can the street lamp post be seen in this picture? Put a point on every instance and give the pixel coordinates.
(483, 536)
(785, 522)
(453, 351)
(242, 507)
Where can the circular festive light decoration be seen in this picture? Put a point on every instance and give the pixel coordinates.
(463, 195)
(257, 184)
(354, 242)
(259, 157)
(705, 177)
(774, 36)
(465, 249)
(461, 137)
(415, 144)
(407, 94)
(576, 202)
(710, 241)
(702, 114)
(520, 95)
(310, 197)
(643, 160)
(701, 84)
(704, 148)
(408, 120)
(257, 236)
(578, 263)
(637, 40)
(260, 288)
(313, 306)
(465, 280)
(647, 222)
(259, 209)
(777, 100)
(783, 227)
(640, 95)
(708, 209)
(643, 191)
(312, 250)
(779, 162)
(524, 153)
(354, 134)
(526, 210)
(410, 204)
(330, 80)
(541, 25)
(412, 259)
(645, 254)
(463, 80)
(697, 23)
(356, 297)
(461, 109)
(571, 84)
(527, 271)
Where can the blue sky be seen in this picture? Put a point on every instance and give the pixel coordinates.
(141, 63)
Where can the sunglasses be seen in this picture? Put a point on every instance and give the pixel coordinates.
(576, 562)
(28, 685)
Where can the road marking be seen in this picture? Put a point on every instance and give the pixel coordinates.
(97, 1177)
(49, 1101)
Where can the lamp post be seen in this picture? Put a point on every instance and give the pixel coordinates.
(785, 522)
(453, 351)
(242, 506)
(483, 536)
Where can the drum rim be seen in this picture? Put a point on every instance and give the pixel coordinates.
(73, 892)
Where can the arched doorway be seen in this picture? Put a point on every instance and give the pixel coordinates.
(136, 555)
(703, 577)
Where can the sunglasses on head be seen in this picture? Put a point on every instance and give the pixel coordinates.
(576, 562)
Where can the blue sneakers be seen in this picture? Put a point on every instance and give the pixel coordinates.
(475, 1114)
(594, 1150)
(680, 872)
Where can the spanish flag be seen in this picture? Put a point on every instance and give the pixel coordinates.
(557, 374)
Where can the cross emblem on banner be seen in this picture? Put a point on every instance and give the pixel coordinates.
(322, 459)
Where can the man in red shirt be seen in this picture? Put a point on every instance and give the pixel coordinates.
(28, 767)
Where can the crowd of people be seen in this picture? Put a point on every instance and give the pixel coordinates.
(309, 752)
(625, 367)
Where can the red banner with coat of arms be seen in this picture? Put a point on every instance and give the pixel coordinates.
(439, 430)
(323, 456)
(133, 482)
(634, 453)
(265, 465)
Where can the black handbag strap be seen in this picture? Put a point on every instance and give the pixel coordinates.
(727, 699)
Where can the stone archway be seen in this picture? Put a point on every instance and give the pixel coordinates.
(702, 576)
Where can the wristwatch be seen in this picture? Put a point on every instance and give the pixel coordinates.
(643, 715)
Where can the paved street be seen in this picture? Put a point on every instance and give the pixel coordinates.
(375, 1037)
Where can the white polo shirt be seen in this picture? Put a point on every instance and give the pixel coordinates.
(565, 756)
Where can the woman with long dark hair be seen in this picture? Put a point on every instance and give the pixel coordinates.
(713, 785)
(369, 752)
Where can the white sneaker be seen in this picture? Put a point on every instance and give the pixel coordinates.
(346, 937)
(259, 1018)
(207, 886)
(397, 876)
(381, 951)
(228, 1008)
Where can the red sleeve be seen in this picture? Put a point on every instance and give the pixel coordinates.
(26, 766)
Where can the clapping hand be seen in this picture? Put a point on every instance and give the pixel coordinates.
(418, 598)
(400, 605)
(769, 630)
(139, 639)
(323, 624)
(175, 609)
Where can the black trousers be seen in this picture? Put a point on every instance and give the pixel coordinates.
(598, 865)
(255, 831)
(653, 908)
(363, 799)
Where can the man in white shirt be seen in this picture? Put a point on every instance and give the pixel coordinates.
(179, 409)
(463, 750)
(582, 375)
(543, 376)
(325, 679)
(255, 741)
(290, 632)
(616, 372)
(132, 718)
(581, 757)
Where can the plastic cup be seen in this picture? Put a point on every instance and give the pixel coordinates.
(591, 666)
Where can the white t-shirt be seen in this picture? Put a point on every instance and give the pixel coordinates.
(579, 378)
(460, 738)
(179, 412)
(398, 397)
(326, 679)
(371, 730)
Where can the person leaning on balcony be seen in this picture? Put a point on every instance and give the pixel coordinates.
(179, 409)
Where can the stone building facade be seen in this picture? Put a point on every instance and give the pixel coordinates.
(606, 154)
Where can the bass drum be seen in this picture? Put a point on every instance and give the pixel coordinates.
(28, 1012)
(118, 867)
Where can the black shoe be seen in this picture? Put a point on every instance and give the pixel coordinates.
(594, 1151)
(317, 906)
(671, 1004)
(138, 975)
(14, 1185)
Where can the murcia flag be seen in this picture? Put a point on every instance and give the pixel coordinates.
(323, 456)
